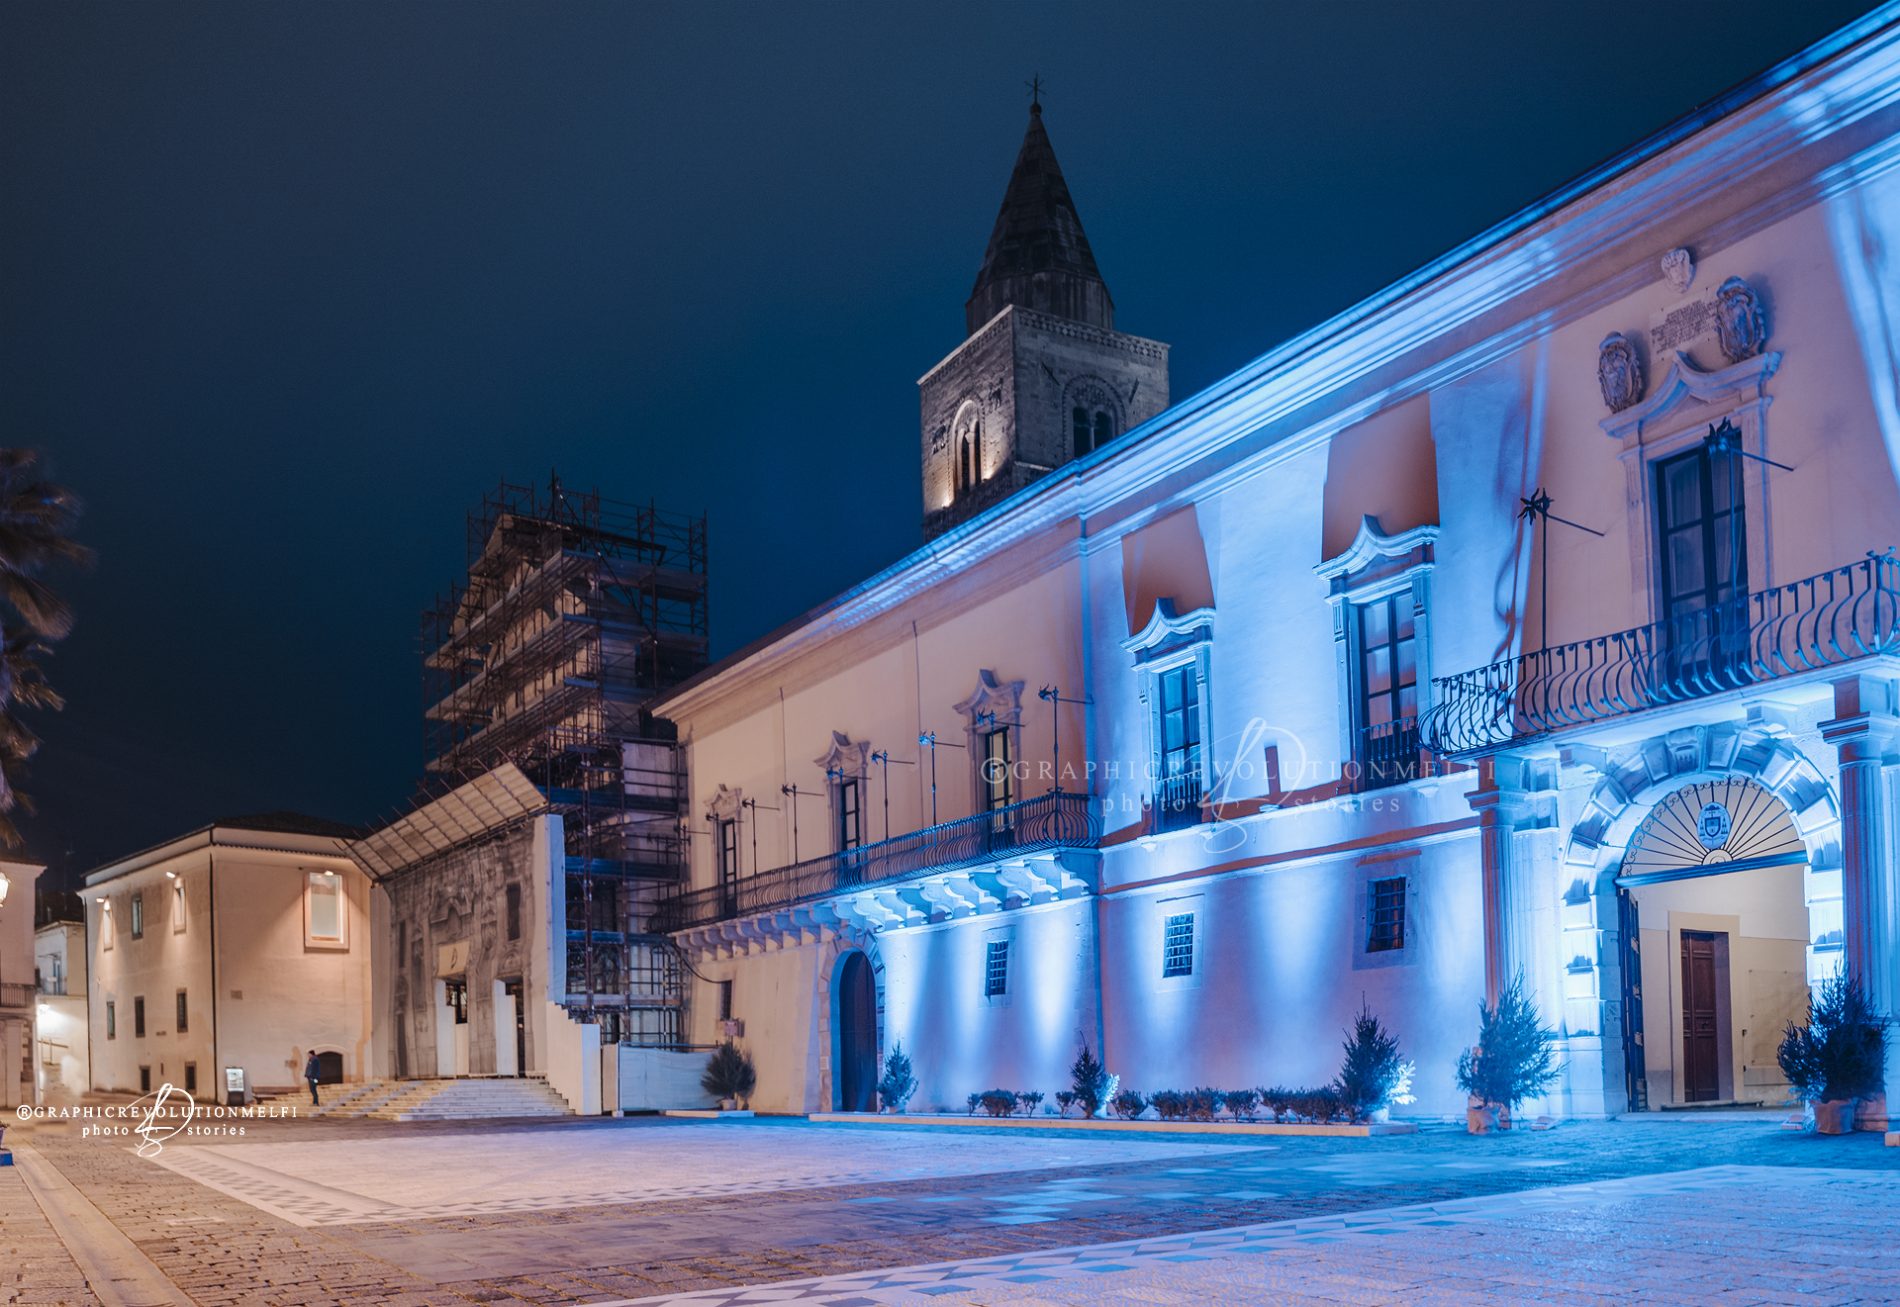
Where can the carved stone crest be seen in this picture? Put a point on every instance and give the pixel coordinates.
(1619, 372)
(1678, 269)
(1739, 324)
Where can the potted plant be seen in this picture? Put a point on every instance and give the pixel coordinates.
(1374, 1078)
(729, 1076)
(1839, 1057)
(898, 1084)
(1094, 1087)
(1515, 1059)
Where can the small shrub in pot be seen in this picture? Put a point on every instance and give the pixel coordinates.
(1129, 1104)
(1515, 1059)
(1839, 1056)
(729, 1075)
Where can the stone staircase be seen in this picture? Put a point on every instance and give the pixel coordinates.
(353, 1100)
(469, 1099)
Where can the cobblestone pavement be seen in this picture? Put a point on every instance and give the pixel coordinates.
(844, 1200)
(34, 1265)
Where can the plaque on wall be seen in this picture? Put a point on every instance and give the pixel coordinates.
(451, 959)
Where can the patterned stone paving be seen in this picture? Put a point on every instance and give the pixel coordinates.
(34, 1265)
(1686, 1236)
(820, 1222)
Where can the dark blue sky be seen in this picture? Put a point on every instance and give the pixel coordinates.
(284, 288)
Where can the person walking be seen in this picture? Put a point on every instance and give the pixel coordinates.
(310, 1073)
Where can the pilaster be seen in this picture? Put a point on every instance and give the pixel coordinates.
(1865, 730)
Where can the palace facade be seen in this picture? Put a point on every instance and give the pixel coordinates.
(1538, 616)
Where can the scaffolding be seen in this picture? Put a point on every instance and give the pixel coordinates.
(576, 613)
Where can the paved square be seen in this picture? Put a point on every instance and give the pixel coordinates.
(342, 1181)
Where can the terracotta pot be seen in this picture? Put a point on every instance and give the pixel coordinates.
(1482, 1119)
(1836, 1118)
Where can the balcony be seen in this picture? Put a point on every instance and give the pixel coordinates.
(1390, 753)
(1824, 621)
(1177, 802)
(1052, 821)
(17, 997)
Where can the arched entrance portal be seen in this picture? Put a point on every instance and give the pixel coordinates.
(1702, 899)
(857, 1034)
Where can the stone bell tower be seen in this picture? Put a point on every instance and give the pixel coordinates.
(1042, 377)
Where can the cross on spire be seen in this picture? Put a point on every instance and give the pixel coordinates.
(1035, 93)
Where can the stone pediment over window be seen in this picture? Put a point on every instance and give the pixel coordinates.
(845, 756)
(1373, 553)
(725, 804)
(1740, 385)
(998, 701)
(1168, 631)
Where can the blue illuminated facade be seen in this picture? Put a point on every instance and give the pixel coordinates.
(1536, 617)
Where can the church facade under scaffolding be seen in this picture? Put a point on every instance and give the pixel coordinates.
(517, 890)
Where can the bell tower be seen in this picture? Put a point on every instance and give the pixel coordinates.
(1042, 376)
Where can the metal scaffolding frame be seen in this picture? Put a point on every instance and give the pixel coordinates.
(577, 611)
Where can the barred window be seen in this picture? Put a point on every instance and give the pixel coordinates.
(1386, 916)
(1177, 945)
(996, 968)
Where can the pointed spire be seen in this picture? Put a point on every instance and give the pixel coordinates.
(1038, 256)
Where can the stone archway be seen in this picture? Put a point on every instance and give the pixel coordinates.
(831, 1032)
(1635, 781)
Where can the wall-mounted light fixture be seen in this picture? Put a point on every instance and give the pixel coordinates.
(5, 885)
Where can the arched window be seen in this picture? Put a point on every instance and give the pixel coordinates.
(1104, 428)
(1093, 416)
(1080, 423)
(967, 431)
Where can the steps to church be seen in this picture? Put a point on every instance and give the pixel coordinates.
(468, 1099)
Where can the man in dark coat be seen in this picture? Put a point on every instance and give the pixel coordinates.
(310, 1073)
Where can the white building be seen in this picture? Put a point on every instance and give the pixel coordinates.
(61, 1053)
(1285, 648)
(17, 1005)
(242, 946)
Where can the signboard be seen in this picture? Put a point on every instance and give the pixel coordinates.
(234, 1091)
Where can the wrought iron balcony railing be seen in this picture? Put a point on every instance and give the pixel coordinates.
(1390, 753)
(1177, 801)
(1823, 621)
(1051, 821)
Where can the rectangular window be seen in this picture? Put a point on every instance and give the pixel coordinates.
(138, 1017)
(727, 846)
(183, 1016)
(996, 968)
(323, 898)
(725, 1000)
(178, 906)
(999, 782)
(191, 1077)
(1386, 915)
(1702, 558)
(850, 826)
(1180, 747)
(514, 911)
(1388, 690)
(145, 1080)
(457, 996)
(138, 916)
(1177, 945)
(112, 1019)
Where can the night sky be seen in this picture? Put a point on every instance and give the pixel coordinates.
(285, 287)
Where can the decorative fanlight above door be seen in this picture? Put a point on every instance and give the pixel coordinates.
(1711, 827)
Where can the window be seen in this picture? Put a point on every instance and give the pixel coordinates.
(999, 782)
(323, 900)
(178, 906)
(1386, 915)
(112, 1019)
(183, 1016)
(514, 911)
(191, 1077)
(145, 1080)
(1388, 751)
(995, 968)
(725, 1000)
(138, 916)
(1180, 781)
(138, 1017)
(455, 992)
(850, 830)
(726, 830)
(1177, 945)
(1702, 547)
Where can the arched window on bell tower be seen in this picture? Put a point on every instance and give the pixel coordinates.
(1092, 422)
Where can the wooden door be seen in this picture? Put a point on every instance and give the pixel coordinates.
(857, 1035)
(1701, 1081)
